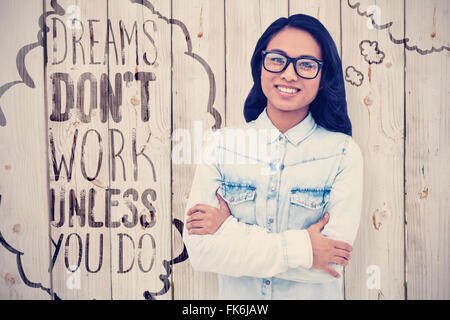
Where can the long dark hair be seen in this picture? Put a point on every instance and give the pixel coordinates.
(329, 108)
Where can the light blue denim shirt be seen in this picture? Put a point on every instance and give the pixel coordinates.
(276, 185)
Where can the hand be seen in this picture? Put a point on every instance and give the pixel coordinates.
(326, 250)
(204, 219)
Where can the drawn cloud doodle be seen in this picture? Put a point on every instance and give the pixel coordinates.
(353, 76)
(423, 42)
(371, 52)
(27, 79)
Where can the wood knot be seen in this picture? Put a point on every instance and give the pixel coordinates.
(9, 279)
(16, 228)
(368, 101)
(424, 194)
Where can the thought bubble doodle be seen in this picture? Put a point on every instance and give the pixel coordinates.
(25, 77)
(353, 76)
(371, 52)
(374, 16)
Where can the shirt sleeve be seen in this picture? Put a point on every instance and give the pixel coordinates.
(345, 202)
(344, 207)
(239, 249)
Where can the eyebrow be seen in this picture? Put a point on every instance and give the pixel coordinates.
(302, 56)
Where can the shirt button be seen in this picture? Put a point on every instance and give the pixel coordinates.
(270, 220)
(268, 282)
(273, 188)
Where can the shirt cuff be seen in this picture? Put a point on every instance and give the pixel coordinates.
(227, 221)
(298, 249)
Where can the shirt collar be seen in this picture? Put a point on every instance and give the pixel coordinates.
(294, 135)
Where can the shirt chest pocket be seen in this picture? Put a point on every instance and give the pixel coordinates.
(306, 207)
(241, 201)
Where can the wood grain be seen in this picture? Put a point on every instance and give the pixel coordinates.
(427, 152)
(191, 60)
(24, 224)
(198, 104)
(78, 267)
(245, 23)
(376, 111)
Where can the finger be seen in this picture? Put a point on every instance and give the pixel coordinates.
(192, 210)
(199, 231)
(195, 224)
(339, 260)
(342, 253)
(342, 245)
(196, 216)
(333, 272)
(322, 222)
(221, 200)
(222, 203)
(196, 208)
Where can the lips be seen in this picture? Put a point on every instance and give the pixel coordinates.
(287, 90)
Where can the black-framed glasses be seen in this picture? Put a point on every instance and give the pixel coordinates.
(305, 67)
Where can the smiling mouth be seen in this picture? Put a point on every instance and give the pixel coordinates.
(287, 90)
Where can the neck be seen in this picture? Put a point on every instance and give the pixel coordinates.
(284, 120)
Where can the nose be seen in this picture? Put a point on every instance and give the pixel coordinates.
(289, 73)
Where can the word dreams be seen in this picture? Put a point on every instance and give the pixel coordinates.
(83, 40)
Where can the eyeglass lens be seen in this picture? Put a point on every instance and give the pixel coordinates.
(305, 67)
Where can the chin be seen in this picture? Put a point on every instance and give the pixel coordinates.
(289, 108)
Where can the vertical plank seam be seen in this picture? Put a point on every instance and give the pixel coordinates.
(47, 169)
(340, 45)
(171, 173)
(340, 29)
(405, 225)
(224, 118)
(109, 160)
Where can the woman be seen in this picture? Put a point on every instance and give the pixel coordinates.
(281, 226)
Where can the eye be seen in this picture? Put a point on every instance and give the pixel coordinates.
(307, 65)
(276, 59)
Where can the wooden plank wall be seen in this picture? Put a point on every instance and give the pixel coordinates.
(118, 87)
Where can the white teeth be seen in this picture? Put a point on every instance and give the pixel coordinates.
(287, 90)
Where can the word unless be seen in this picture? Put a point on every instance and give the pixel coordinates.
(81, 210)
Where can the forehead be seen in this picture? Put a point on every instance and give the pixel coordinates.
(295, 42)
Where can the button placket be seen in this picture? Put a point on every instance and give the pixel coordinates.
(267, 288)
(280, 167)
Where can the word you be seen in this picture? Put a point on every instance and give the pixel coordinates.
(92, 251)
